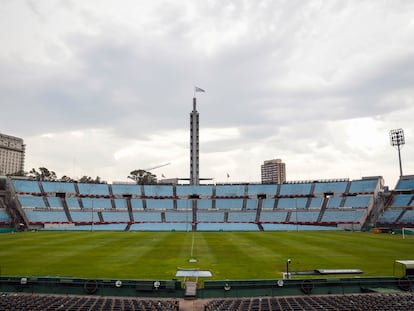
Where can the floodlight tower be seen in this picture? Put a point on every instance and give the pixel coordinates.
(397, 140)
(194, 141)
(194, 145)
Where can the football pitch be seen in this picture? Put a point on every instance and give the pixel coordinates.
(228, 255)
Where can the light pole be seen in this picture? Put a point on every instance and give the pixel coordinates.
(398, 140)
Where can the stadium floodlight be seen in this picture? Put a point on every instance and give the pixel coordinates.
(398, 140)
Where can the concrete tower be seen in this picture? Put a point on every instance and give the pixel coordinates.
(194, 145)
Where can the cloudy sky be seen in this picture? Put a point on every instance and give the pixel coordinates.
(102, 87)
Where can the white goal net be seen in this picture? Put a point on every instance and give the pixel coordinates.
(407, 231)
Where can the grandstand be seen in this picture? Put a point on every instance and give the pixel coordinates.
(325, 204)
(320, 204)
(398, 206)
(309, 205)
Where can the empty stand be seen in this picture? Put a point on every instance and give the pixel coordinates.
(230, 191)
(330, 187)
(291, 203)
(295, 189)
(26, 186)
(158, 191)
(366, 302)
(93, 189)
(4, 217)
(58, 187)
(363, 186)
(203, 207)
(126, 189)
(37, 302)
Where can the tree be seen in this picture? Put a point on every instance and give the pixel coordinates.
(143, 177)
(66, 179)
(90, 180)
(43, 175)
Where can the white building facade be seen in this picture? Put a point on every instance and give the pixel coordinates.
(12, 154)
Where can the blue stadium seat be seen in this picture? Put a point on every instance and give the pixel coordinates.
(84, 216)
(201, 204)
(268, 204)
(358, 201)
(316, 203)
(267, 216)
(408, 217)
(227, 227)
(136, 204)
(31, 201)
(29, 186)
(116, 216)
(295, 227)
(179, 216)
(54, 202)
(158, 190)
(334, 202)
(230, 190)
(364, 185)
(304, 216)
(4, 217)
(269, 189)
(147, 216)
(96, 203)
(160, 203)
(72, 203)
(187, 190)
(405, 184)
(93, 189)
(120, 203)
(56, 186)
(330, 187)
(402, 200)
(251, 203)
(161, 227)
(291, 203)
(40, 216)
(210, 216)
(242, 217)
(339, 216)
(126, 189)
(229, 203)
(204, 204)
(390, 215)
(295, 189)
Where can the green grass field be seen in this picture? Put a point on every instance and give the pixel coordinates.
(228, 255)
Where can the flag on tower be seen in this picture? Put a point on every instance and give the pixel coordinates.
(197, 89)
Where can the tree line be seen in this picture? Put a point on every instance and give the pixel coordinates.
(139, 176)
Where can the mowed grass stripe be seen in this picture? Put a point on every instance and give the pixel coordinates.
(229, 255)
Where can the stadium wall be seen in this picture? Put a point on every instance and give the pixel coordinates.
(209, 289)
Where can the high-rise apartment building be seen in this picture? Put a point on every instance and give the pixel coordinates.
(12, 152)
(273, 172)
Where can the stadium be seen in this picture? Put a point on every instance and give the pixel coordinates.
(354, 208)
(335, 244)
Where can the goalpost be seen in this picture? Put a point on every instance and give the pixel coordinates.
(407, 231)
